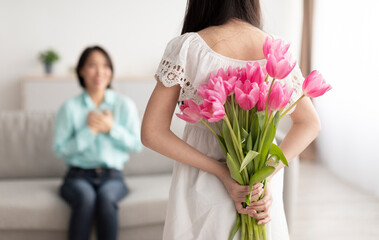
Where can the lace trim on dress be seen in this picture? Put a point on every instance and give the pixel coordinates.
(171, 74)
(297, 82)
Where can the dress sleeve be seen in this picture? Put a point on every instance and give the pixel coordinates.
(173, 68)
(294, 79)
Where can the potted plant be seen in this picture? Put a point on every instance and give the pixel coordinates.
(48, 57)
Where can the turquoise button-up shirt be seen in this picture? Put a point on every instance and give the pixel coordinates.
(79, 147)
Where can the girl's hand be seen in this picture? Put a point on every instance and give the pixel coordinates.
(261, 209)
(239, 192)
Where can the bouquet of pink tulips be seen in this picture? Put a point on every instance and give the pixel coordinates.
(246, 104)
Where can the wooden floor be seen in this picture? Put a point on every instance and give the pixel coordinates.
(331, 209)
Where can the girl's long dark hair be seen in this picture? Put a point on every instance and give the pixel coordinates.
(201, 14)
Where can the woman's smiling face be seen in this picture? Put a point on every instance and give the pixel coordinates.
(96, 72)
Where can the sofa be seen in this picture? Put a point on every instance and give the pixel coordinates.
(30, 176)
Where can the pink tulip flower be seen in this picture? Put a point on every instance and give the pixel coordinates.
(279, 66)
(228, 81)
(275, 46)
(190, 111)
(239, 73)
(247, 94)
(314, 85)
(280, 96)
(264, 88)
(212, 109)
(255, 73)
(279, 61)
(214, 87)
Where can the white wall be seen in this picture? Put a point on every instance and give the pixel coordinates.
(284, 18)
(134, 32)
(346, 52)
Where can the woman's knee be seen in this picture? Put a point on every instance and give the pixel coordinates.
(78, 193)
(109, 195)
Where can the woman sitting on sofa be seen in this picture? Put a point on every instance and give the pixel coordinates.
(94, 133)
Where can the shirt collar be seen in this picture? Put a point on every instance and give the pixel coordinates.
(109, 98)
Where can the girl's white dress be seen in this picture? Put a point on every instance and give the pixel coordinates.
(199, 206)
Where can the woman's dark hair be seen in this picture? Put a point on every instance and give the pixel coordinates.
(201, 14)
(83, 59)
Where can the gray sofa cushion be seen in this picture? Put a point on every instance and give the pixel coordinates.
(36, 205)
(26, 148)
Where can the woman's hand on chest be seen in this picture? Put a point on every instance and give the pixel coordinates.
(100, 122)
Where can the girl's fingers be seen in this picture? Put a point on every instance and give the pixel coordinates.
(260, 215)
(264, 221)
(256, 194)
(239, 193)
(243, 189)
(240, 209)
(256, 191)
(263, 201)
(260, 207)
(257, 186)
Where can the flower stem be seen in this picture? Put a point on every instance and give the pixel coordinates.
(209, 127)
(250, 228)
(247, 120)
(270, 118)
(243, 227)
(264, 232)
(297, 101)
(234, 138)
(268, 96)
(219, 128)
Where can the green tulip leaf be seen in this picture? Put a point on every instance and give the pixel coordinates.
(245, 134)
(222, 144)
(261, 119)
(228, 141)
(248, 158)
(275, 150)
(273, 161)
(261, 175)
(234, 169)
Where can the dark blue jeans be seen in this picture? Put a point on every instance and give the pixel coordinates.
(93, 193)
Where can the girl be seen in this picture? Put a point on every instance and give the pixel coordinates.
(203, 197)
